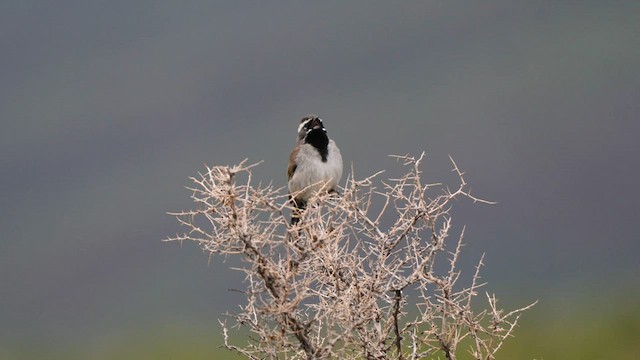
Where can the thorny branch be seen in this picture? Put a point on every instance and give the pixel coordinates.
(356, 276)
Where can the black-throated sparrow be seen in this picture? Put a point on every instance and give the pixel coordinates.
(315, 163)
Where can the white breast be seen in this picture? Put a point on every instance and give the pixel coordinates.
(312, 174)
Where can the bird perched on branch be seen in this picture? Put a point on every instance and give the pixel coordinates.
(315, 163)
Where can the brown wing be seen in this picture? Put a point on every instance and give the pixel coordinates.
(292, 162)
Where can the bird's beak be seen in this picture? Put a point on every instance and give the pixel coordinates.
(317, 124)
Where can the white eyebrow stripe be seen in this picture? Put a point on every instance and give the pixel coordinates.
(302, 124)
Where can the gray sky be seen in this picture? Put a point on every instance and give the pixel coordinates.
(108, 107)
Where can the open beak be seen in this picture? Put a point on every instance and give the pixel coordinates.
(316, 124)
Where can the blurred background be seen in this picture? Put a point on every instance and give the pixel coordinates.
(107, 107)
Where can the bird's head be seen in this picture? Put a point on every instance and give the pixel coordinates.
(310, 124)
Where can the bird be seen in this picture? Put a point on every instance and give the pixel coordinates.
(315, 164)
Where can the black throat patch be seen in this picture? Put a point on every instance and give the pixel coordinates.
(318, 139)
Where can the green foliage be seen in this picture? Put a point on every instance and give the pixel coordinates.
(588, 331)
(582, 331)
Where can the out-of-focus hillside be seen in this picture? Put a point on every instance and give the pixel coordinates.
(108, 107)
(590, 330)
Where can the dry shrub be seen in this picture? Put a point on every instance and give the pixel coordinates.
(340, 284)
